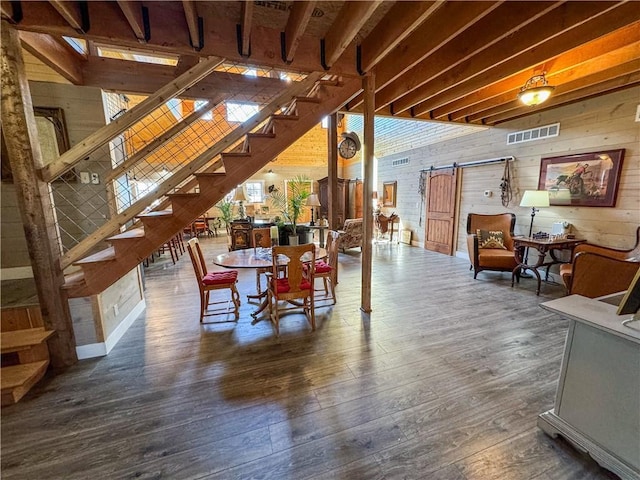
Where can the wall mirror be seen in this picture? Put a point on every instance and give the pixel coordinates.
(389, 194)
(52, 137)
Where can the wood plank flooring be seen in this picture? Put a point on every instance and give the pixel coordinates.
(444, 380)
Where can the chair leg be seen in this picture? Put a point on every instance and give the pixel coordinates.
(258, 285)
(202, 306)
(235, 298)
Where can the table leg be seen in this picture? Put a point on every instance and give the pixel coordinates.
(321, 237)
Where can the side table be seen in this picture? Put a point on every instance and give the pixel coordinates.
(542, 246)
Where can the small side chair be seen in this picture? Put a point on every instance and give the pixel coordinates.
(209, 281)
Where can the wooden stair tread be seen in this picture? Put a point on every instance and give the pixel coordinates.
(308, 99)
(285, 117)
(210, 174)
(22, 375)
(261, 135)
(235, 154)
(156, 213)
(133, 233)
(183, 194)
(22, 339)
(73, 279)
(105, 255)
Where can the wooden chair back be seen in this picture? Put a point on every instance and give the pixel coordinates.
(298, 256)
(261, 237)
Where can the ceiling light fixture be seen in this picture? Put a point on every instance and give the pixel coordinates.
(535, 91)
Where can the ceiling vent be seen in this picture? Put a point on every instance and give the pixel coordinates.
(400, 162)
(539, 133)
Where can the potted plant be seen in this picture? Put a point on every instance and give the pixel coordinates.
(291, 205)
(226, 210)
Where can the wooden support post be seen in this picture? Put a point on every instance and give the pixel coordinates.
(332, 182)
(368, 84)
(34, 198)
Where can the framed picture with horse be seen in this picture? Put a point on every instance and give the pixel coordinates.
(583, 180)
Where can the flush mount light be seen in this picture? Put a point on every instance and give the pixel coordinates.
(535, 91)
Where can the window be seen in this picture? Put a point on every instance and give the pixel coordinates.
(241, 112)
(198, 104)
(255, 191)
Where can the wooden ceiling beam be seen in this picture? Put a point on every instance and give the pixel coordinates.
(574, 24)
(245, 27)
(193, 23)
(445, 23)
(169, 35)
(351, 18)
(63, 60)
(557, 74)
(145, 78)
(507, 20)
(132, 11)
(624, 81)
(406, 16)
(296, 24)
(583, 76)
(11, 11)
(74, 13)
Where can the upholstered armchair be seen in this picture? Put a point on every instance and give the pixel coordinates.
(566, 270)
(351, 234)
(595, 275)
(496, 251)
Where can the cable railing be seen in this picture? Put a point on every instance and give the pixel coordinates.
(132, 170)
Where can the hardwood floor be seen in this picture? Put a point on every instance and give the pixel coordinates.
(444, 380)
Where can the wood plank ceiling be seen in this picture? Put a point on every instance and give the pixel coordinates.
(447, 60)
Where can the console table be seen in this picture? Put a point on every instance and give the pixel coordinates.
(597, 407)
(542, 246)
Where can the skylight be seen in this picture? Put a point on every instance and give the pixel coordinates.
(78, 44)
(136, 56)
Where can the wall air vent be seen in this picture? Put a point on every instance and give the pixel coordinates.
(400, 162)
(538, 133)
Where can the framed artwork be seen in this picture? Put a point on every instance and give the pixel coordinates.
(389, 194)
(583, 180)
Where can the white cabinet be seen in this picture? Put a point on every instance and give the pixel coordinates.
(597, 405)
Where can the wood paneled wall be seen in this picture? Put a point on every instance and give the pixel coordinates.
(602, 123)
(83, 115)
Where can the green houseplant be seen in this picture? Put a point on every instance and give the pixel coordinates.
(291, 205)
(226, 211)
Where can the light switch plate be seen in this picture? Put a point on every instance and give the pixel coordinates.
(95, 179)
(84, 177)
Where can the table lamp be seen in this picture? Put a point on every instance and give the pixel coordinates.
(313, 201)
(534, 199)
(240, 197)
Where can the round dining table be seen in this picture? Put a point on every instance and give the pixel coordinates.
(255, 258)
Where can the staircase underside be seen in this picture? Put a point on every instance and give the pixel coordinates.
(130, 248)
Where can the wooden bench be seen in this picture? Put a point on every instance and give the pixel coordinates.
(27, 356)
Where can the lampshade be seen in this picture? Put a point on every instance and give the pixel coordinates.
(535, 91)
(535, 198)
(239, 196)
(313, 201)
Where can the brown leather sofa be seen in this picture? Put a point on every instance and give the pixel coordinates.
(597, 270)
(498, 259)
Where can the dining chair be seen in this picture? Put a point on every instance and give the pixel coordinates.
(292, 285)
(328, 270)
(209, 281)
(261, 238)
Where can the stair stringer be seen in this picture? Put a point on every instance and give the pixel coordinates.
(213, 187)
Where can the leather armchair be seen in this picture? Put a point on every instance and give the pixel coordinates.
(496, 259)
(351, 234)
(595, 275)
(566, 270)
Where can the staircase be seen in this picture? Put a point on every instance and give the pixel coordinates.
(29, 357)
(130, 248)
